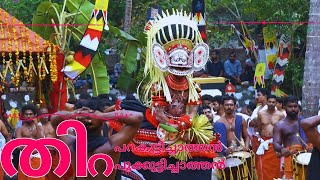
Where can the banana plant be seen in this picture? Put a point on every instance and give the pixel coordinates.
(79, 12)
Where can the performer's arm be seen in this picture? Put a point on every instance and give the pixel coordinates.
(193, 110)
(18, 134)
(59, 116)
(245, 133)
(4, 131)
(259, 124)
(131, 123)
(277, 142)
(309, 126)
(161, 117)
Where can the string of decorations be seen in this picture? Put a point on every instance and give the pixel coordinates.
(18, 53)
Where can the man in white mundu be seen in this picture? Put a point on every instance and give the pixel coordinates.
(268, 165)
(262, 95)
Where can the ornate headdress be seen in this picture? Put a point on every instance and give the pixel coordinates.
(174, 45)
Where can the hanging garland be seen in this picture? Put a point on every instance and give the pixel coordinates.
(18, 42)
(53, 63)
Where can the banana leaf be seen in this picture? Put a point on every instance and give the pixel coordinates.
(100, 78)
(130, 58)
(126, 82)
(44, 13)
(82, 18)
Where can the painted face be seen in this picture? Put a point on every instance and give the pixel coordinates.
(229, 106)
(179, 60)
(272, 103)
(292, 109)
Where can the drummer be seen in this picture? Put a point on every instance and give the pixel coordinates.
(309, 126)
(232, 128)
(268, 164)
(288, 136)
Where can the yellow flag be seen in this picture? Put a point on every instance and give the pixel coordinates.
(259, 74)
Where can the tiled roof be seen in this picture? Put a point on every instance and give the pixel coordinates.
(14, 35)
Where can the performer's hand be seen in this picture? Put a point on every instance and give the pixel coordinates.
(294, 151)
(285, 152)
(309, 148)
(83, 114)
(278, 155)
(229, 150)
(246, 149)
(253, 123)
(85, 110)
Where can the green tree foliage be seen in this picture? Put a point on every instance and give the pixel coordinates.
(20, 9)
(216, 12)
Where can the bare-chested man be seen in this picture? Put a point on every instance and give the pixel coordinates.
(45, 130)
(28, 130)
(96, 142)
(261, 99)
(309, 126)
(44, 124)
(4, 138)
(286, 134)
(232, 127)
(268, 164)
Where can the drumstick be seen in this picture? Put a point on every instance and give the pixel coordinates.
(298, 135)
(238, 140)
(224, 145)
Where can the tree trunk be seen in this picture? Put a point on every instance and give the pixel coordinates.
(311, 80)
(127, 17)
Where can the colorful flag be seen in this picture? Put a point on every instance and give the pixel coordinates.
(198, 14)
(88, 46)
(259, 75)
(245, 41)
(282, 62)
(271, 47)
(152, 13)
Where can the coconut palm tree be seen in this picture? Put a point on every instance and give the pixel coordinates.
(311, 81)
(127, 17)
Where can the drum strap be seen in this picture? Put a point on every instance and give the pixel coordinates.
(301, 132)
